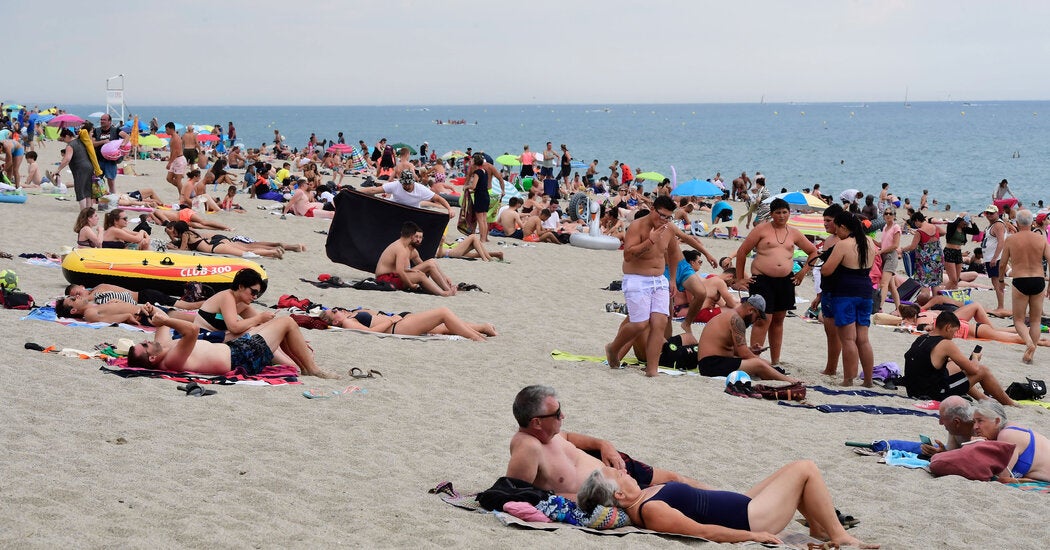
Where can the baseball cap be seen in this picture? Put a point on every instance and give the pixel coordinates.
(992, 209)
(759, 303)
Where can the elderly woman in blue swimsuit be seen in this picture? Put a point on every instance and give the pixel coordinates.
(723, 516)
(1031, 458)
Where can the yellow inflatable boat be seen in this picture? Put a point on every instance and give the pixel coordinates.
(140, 269)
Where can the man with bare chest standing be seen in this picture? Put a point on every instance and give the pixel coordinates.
(646, 247)
(771, 273)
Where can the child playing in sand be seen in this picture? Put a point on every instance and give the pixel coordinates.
(227, 203)
(33, 178)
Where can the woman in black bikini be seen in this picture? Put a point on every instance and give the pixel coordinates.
(117, 234)
(231, 309)
(187, 239)
(432, 321)
(85, 226)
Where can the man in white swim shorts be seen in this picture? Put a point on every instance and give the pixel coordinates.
(647, 246)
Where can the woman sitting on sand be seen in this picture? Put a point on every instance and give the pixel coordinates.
(87, 236)
(432, 321)
(117, 234)
(216, 176)
(231, 309)
(723, 516)
(185, 238)
(1031, 459)
(610, 222)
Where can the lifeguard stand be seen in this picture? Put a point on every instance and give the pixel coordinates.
(115, 106)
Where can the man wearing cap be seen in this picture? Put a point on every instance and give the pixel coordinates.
(723, 343)
(406, 191)
(992, 249)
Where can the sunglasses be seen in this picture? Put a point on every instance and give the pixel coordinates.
(555, 414)
(665, 216)
(123, 218)
(255, 292)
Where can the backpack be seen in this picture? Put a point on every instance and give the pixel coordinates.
(792, 392)
(675, 355)
(1032, 389)
(15, 300)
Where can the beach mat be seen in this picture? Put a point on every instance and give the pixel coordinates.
(364, 225)
(558, 355)
(271, 375)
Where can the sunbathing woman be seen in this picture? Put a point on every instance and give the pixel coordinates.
(141, 197)
(432, 321)
(87, 236)
(117, 234)
(187, 239)
(469, 247)
(723, 516)
(215, 177)
(974, 322)
(192, 219)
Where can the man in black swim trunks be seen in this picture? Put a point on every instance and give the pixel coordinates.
(774, 245)
(277, 340)
(556, 461)
(723, 343)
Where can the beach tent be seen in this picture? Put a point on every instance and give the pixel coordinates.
(364, 225)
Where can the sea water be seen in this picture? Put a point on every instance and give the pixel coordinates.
(958, 151)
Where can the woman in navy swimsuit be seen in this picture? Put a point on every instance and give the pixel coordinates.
(723, 516)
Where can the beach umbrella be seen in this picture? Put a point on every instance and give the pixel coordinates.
(488, 158)
(179, 127)
(13, 107)
(96, 114)
(808, 224)
(508, 160)
(69, 120)
(399, 146)
(135, 131)
(799, 200)
(696, 188)
(341, 148)
(143, 127)
(199, 127)
(207, 137)
(652, 176)
(453, 155)
(152, 141)
(577, 165)
(718, 208)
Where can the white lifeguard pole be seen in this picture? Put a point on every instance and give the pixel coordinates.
(115, 106)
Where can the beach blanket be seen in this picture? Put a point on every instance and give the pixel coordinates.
(364, 225)
(1043, 404)
(558, 355)
(272, 375)
(44, 262)
(859, 393)
(47, 313)
(1033, 486)
(867, 409)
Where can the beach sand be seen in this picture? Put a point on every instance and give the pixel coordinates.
(93, 460)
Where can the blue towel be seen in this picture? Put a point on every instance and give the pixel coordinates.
(885, 444)
(868, 409)
(905, 459)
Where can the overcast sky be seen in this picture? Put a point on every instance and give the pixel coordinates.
(380, 52)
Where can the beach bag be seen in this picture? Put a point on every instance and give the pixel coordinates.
(675, 355)
(15, 300)
(793, 392)
(979, 461)
(98, 188)
(1022, 391)
(508, 489)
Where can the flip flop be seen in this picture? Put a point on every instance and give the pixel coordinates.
(931, 405)
(444, 487)
(358, 373)
(194, 389)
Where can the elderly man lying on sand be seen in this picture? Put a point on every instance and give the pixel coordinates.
(251, 352)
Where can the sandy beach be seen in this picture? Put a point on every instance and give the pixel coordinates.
(93, 460)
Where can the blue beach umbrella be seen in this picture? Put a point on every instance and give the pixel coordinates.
(696, 188)
(143, 127)
(803, 201)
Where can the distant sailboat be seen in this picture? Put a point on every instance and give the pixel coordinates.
(906, 104)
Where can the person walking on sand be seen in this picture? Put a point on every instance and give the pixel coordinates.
(647, 248)
(1024, 252)
(772, 274)
(992, 249)
(177, 165)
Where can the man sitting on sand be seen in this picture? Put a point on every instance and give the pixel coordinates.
(251, 352)
(401, 265)
(934, 367)
(509, 220)
(556, 461)
(723, 343)
(957, 418)
(105, 293)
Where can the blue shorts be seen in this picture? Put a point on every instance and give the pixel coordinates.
(18, 152)
(850, 310)
(992, 270)
(250, 353)
(684, 272)
(825, 305)
(109, 168)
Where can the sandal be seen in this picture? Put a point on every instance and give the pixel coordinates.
(358, 373)
(444, 487)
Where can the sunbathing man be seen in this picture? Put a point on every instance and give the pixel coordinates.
(111, 312)
(723, 343)
(251, 352)
(935, 367)
(556, 461)
(401, 265)
(957, 418)
(105, 293)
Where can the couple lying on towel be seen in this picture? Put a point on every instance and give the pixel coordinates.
(594, 472)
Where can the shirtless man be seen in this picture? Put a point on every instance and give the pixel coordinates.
(723, 343)
(251, 352)
(556, 461)
(957, 418)
(401, 265)
(647, 247)
(510, 219)
(740, 187)
(111, 312)
(1024, 252)
(534, 229)
(189, 145)
(177, 165)
(774, 245)
(992, 248)
(302, 202)
(404, 163)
